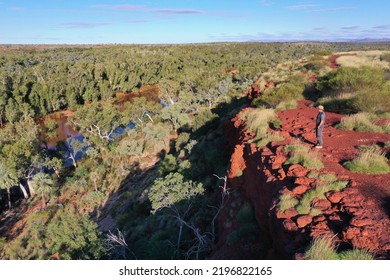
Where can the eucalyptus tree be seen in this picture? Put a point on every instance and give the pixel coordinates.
(7, 180)
(44, 186)
(97, 120)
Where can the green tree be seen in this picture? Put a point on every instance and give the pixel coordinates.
(176, 114)
(70, 148)
(7, 180)
(140, 111)
(172, 189)
(97, 120)
(44, 185)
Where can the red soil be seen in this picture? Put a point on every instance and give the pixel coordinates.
(339, 146)
(332, 61)
(358, 215)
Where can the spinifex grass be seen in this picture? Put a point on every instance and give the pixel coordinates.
(302, 155)
(287, 201)
(369, 162)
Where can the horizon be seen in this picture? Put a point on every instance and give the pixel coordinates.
(153, 22)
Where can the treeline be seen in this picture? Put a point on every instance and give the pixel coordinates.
(38, 81)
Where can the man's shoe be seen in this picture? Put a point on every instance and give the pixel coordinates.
(318, 147)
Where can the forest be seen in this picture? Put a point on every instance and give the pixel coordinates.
(142, 173)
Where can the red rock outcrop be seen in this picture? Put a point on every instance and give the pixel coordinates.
(355, 218)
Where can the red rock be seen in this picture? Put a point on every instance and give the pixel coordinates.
(321, 204)
(357, 211)
(289, 225)
(281, 175)
(361, 222)
(290, 213)
(279, 150)
(304, 220)
(303, 181)
(266, 152)
(280, 214)
(350, 233)
(300, 189)
(277, 161)
(319, 218)
(334, 197)
(350, 191)
(297, 170)
(321, 226)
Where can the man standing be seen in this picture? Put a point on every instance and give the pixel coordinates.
(320, 122)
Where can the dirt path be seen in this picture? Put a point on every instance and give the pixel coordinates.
(339, 146)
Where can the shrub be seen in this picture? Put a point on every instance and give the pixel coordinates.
(286, 105)
(307, 159)
(366, 86)
(350, 79)
(270, 137)
(248, 226)
(322, 248)
(339, 103)
(258, 120)
(287, 201)
(373, 148)
(371, 100)
(359, 122)
(277, 124)
(305, 204)
(296, 147)
(369, 162)
(355, 254)
(286, 92)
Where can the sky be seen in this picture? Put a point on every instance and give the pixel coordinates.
(190, 21)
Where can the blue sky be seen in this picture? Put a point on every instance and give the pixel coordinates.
(189, 21)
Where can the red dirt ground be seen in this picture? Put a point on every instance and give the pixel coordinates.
(332, 61)
(339, 146)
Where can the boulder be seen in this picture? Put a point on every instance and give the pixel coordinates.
(303, 181)
(334, 197)
(300, 189)
(361, 222)
(304, 220)
(289, 225)
(290, 213)
(281, 175)
(322, 204)
(297, 170)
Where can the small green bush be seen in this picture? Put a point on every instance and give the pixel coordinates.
(355, 254)
(305, 204)
(285, 93)
(322, 248)
(296, 147)
(351, 79)
(359, 122)
(369, 162)
(287, 201)
(306, 159)
(270, 137)
(258, 120)
(365, 87)
(248, 226)
(373, 148)
(287, 105)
